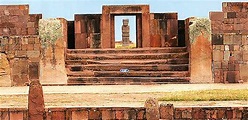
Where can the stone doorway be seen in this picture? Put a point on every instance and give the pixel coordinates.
(142, 24)
(125, 32)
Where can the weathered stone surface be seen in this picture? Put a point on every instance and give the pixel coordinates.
(54, 72)
(79, 115)
(166, 111)
(4, 71)
(108, 114)
(200, 52)
(217, 39)
(152, 109)
(19, 72)
(36, 106)
(243, 72)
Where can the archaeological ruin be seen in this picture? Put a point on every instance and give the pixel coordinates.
(82, 52)
(38, 52)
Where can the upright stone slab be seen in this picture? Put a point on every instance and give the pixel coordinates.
(200, 49)
(36, 106)
(152, 109)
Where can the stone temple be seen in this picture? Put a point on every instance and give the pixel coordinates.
(82, 52)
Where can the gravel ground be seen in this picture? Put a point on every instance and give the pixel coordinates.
(112, 95)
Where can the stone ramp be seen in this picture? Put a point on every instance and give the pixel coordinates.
(127, 66)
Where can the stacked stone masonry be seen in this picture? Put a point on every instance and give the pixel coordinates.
(166, 112)
(20, 42)
(230, 42)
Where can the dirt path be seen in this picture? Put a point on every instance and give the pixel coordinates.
(118, 96)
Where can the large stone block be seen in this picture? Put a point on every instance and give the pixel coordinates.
(217, 39)
(79, 115)
(152, 109)
(216, 16)
(243, 72)
(218, 55)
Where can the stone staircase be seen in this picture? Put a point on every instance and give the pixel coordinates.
(127, 66)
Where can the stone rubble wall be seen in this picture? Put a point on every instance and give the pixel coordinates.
(230, 42)
(166, 111)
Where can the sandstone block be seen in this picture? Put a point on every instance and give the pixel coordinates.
(214, 16)
(152, 109)
(79, 115)
(108, 114)
(218, 55)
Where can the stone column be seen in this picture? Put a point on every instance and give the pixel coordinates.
(125, 32)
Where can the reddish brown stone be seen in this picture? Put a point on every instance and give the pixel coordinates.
(141, 115)
(221, 114)
(229, 21)
(166, 111)
(79, 115)
(119, 114)
(152, 109)
(16, 115)
(218, 76)
(238, 26)
(94, 114)
(80, 41)
(108, 114)
(232, 76)
(36, 106)
(198, 113)
(34, 70)
(58, 115)
(216, 16)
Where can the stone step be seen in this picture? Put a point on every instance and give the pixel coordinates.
(127, 56)
(133, 61)
(123, 51)
(125, 80)
(129, 74)
(130, 67)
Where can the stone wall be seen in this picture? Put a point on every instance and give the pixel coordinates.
(87, 31)
(19, 43)
(230, 42)
(22, 53)
(168, 112)
(164, 29)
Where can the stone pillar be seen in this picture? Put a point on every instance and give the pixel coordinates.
(198, 39)
(106, 28)
(36, 106)
(125, 32)
(152, 109)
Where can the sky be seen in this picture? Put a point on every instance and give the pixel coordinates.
(67, 8)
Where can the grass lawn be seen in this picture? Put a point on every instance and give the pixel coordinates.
(206, 95)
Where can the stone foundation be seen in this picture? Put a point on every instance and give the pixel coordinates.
(166, 111)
